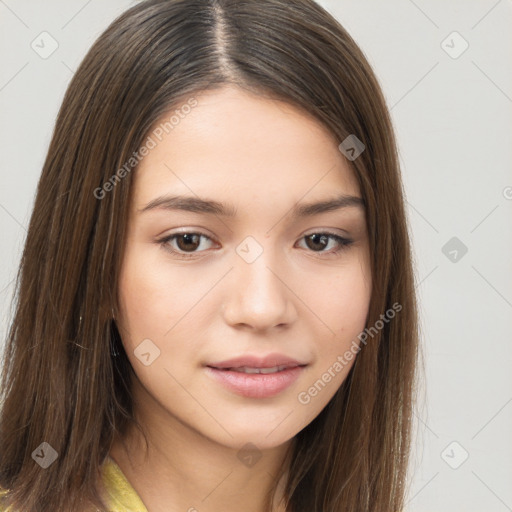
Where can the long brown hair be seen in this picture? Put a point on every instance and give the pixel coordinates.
(60, 383)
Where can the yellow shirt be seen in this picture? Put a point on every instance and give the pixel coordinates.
(122, 497)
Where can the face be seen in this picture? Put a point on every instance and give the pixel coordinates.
(255, 276)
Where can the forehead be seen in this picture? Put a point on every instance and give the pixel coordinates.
(235, 146)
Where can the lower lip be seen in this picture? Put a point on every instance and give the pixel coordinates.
(256, 385)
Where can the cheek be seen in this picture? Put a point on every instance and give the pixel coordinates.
(343, 307)
(161, 300)
(156, 304)
(345, 302)
(150, 296)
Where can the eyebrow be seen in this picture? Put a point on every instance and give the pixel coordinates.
(211, 207)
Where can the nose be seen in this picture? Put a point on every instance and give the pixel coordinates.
(258, 296)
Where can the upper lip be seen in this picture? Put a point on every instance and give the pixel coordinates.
(252, 361)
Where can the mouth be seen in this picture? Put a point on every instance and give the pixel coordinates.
(253, 370)
(271, 362)
(256, 377)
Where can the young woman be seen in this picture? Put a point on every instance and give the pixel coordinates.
(215, 306)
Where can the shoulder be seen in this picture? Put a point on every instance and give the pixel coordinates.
(120, 495)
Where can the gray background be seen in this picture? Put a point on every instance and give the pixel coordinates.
(452, 112)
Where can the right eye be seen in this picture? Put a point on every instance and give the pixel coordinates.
(186, 243)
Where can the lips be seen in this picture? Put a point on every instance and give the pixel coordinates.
(256, 377)
(270, 361)
(249, 369)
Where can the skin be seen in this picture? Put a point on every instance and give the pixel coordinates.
(262, 156)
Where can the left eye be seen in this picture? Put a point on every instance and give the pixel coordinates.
(186, 244)
(322, 239)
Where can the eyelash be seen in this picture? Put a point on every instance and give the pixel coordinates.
(344, 243)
